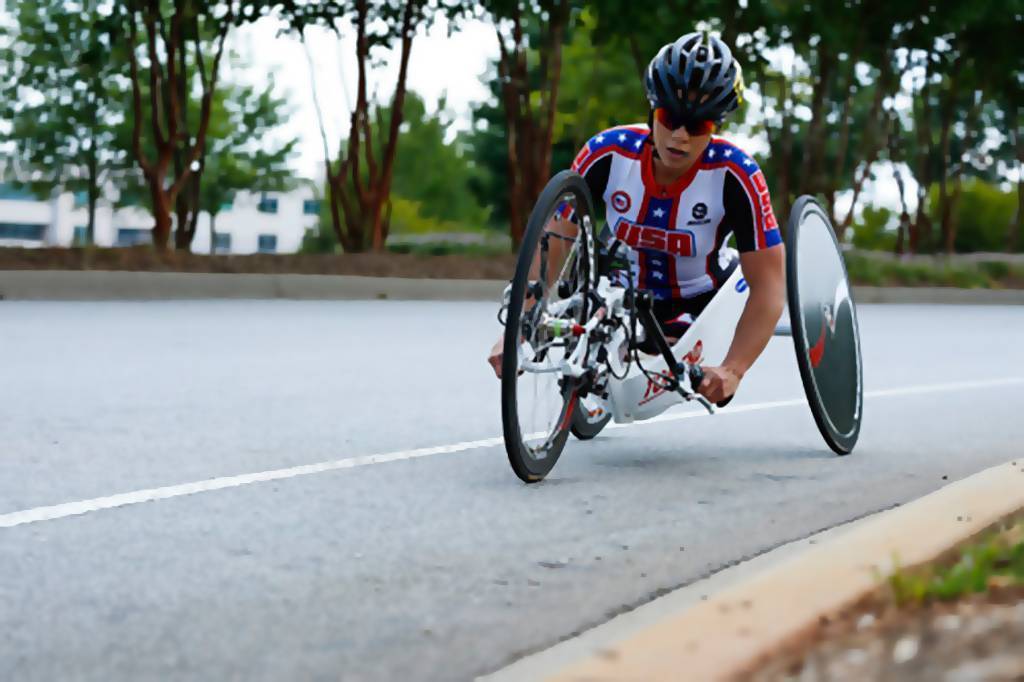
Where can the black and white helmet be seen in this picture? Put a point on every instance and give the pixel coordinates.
(695, 78)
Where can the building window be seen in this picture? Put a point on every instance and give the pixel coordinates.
(267, 204)
(9, 191)
(222, 241)
(128, 236)
(311, 207)
(268, 243)
(81, 199)
(81, 233)
(227, 206)
(23, 231)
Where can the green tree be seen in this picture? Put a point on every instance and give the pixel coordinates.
(982, 214)
(438, 200)
(530, 38)
(174, 52)
(242, 152)
(359, 179)
(64, 99)
(600, 86)
(442, 193)
(872, 233)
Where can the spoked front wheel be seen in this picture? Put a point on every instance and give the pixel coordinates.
(550, 297)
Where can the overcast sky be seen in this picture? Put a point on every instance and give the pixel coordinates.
(440, 66)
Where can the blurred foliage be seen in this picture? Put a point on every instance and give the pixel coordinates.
(994, 562)
(983, 213)
(871, 232)
(242, 152)
(840, 89)
(430, 191)
(61, 99)
(869, 270)
(835, 91)
(443, 248)
(600, 87)
(433, 173)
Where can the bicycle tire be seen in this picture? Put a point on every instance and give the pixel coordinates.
(530, 464)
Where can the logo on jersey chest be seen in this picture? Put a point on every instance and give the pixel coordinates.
(621, 201)
(644, 237)
(700, 214)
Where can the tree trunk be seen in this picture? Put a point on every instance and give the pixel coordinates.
(93, 194)
(167, 82)
(383, 191)
(785, 162)
(1017, 140)
(213, 234)
(876, 141)
(730, 13)
(187, 212)
(357, 219)
(973, 128)
(945, 140)
(844, 131)
(812, 160)
(161, 215)
(1015, 222)
(920, 230)
(895, 159)
(529, 132)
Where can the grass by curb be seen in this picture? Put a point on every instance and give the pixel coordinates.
(994, 561)
(919, 606)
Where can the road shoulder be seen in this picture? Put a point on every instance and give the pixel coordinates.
(718, 630)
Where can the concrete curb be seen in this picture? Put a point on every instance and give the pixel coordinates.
(733, 631)
(940, 295)
(94, 285)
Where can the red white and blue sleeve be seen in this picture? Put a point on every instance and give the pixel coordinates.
(748, 208)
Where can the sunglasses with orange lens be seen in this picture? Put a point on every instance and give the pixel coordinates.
(696, 128)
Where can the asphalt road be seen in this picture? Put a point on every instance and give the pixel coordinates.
(423, 565)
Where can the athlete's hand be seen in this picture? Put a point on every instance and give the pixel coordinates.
(719, 383)
(494, 358)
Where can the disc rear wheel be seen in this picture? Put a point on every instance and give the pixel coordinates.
(823, 317)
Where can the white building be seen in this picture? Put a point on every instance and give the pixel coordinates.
(267, 222)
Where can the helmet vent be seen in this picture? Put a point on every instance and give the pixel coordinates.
(696, 77)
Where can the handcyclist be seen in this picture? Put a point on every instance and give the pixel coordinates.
(674, 192)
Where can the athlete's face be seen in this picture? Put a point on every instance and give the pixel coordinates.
(679, 148)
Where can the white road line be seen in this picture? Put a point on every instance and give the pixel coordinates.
(60, 511)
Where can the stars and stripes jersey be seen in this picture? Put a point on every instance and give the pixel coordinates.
(678, 232)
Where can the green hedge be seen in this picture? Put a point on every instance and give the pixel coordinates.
(985, 275)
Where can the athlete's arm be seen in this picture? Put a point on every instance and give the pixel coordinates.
(762, 259)
(766, 276)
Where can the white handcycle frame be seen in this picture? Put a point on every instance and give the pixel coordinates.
(635, 396)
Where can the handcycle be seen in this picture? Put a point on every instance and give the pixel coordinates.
(582, 345)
